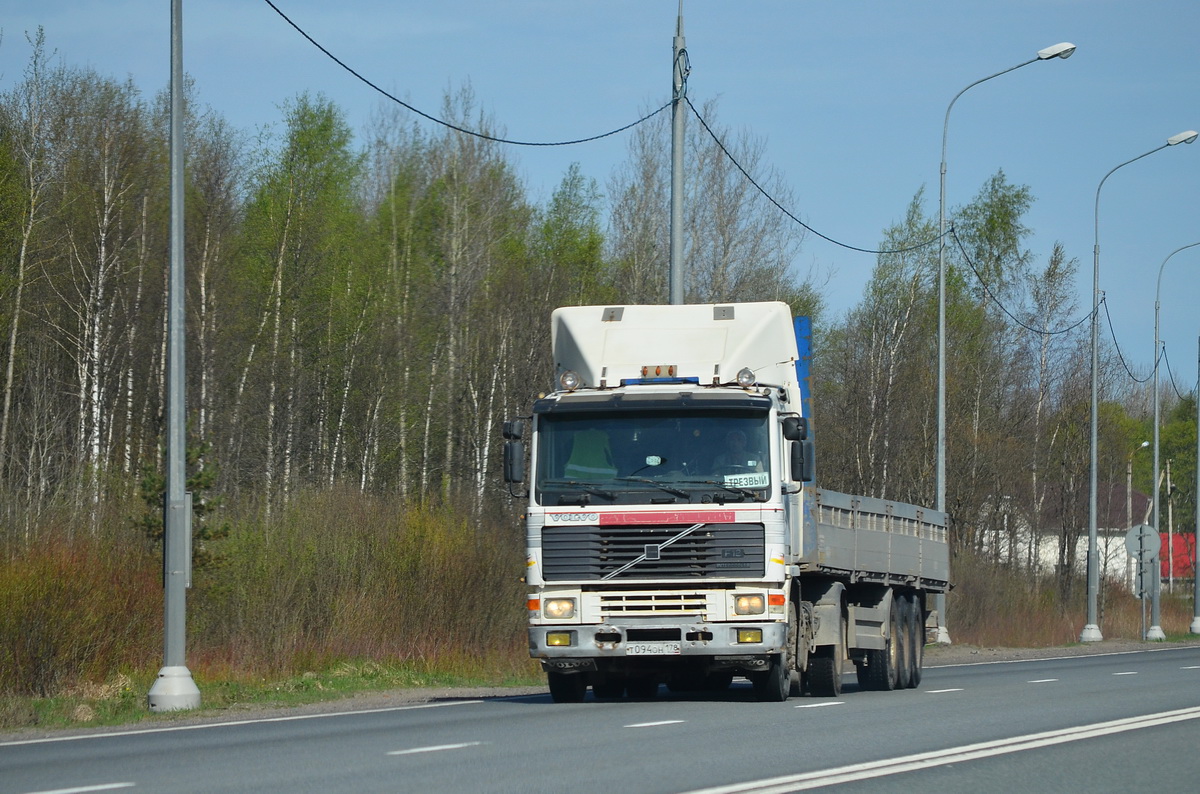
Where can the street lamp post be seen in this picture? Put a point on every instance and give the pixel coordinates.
(1091, 631)
(1129, 523)
(1195, 627)
(1156, 632)
(1061, 50)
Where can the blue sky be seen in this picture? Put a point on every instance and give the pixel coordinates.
(849, 97)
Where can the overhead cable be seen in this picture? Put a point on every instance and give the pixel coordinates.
(445, 123)
(1170, 374)
(992, 296)
(1120, 356)
(784, 210)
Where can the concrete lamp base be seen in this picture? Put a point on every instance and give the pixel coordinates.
(174, 690)
(1091, 633)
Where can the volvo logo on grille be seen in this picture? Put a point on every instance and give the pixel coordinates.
(573, 518)
(653, 551)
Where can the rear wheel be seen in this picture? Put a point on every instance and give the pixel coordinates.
(880, 668)
(567, 687)
(916, 651)
(902, 628)
(826, 665)
(608, 687)
(718, 682)
(641, 687)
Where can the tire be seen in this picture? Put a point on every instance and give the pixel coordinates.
(567, 687)
(773, 684)
(902, 628)
(880, 668)
(826, 665)
(916, 658)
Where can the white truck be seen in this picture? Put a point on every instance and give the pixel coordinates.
(674, 532)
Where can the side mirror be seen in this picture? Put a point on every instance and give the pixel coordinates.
(514, 429)
(803, 463)
(514, 461)
(795, 428)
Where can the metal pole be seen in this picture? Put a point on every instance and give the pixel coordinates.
(1091, 631)
(679, 91)
(1156, 632)
(1058, 51)
(1195, 627)
(174, 688)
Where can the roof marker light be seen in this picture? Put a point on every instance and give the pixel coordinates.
(570, 380)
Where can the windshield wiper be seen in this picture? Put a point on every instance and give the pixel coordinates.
(732, 489)
(661, 486)
(583, 486)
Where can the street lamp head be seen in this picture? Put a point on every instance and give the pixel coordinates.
(1145, 444)
(1184, 137)
(1060, 50)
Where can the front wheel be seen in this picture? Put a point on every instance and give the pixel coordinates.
(567, 687)
(772, 685)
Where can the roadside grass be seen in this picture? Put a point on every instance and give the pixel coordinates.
(124, 700)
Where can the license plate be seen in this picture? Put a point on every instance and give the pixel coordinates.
(652, 649)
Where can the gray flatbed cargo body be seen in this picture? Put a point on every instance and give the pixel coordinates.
(877, 540)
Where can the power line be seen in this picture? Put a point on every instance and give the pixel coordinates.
(1170, 374)
(445, 123)
(1120, 356)
(992, 296)
(784, 210)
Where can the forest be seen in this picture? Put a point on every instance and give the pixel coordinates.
(365, 307)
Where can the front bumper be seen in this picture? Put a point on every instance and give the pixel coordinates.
(642, 641)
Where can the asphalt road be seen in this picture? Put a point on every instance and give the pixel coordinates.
(1117, 722)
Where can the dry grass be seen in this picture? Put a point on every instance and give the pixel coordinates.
(996, 606)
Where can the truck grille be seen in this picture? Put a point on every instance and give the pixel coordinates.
(711, 551)
(652, 605)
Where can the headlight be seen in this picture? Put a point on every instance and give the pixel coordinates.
(749, 635)
(749, 604)
(560, 639)
(559, 608)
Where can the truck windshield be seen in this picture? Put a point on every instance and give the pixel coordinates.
(643, 456)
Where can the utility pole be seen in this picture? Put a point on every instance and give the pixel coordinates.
(680, 70)
(175, 690)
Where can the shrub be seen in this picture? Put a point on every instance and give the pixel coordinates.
(74, 611)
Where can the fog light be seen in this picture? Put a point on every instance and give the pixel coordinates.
(748, 604)
(749, 635)
(559, 608)
(563, 638)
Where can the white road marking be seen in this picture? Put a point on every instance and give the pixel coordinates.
(930, 665)
(1130, 673)
(1042, 681)
(84, 789)
(819, 705)
(436, 748)
(940, 691)
(970, 752)
(1191, 667)
(654, 724)
(291, 718)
